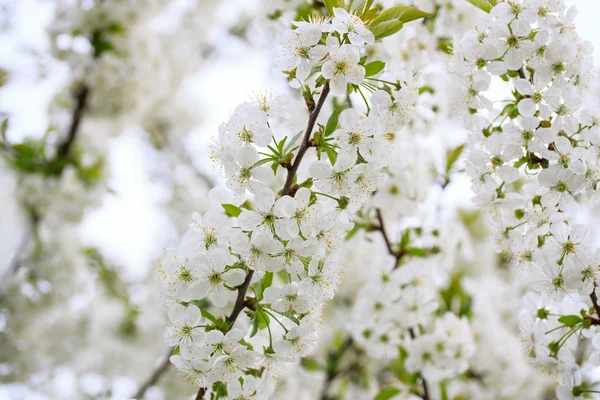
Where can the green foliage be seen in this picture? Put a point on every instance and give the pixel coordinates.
(373, 68)
(570, 320)
(231, 210)
(400, 13)
(399, 370)
(455, 295)
(387, 28)
(331, 4)
(311, 365)
(452, 155)
(387, 393)
(485, 5)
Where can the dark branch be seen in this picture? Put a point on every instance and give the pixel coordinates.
(155, 376)
(595, 301)
(312, 119)
(81, 99)
(381, 228)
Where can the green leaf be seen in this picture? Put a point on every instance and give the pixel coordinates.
(570, 320)
(208, 316)
(332, 123)
(405, 239)
(387, 393)
(3, 129)
(311, 365)
(485, 5)
(417, 252)
(231, 210)
(175, 350)
(374, 68)
(452, 155)
(331, 154)
(292, 142)
(254, 326)
(331, 4)
(356, 6)
(400, 13)
(386, 29)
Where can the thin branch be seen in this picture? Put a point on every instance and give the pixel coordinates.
(200, 394)
(240, 302)
(64, 149)
(312, 119)
(155, 376)
(381, 229)
(595, 301)
(241, 297)
(81, 99)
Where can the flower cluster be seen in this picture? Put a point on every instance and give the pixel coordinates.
(534, 165)
(277, 252)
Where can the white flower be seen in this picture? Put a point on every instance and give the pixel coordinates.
(289, 300)
(243, 174)
(322, 280)
(185, 328)
(216, 343)
(195, 368)
(518, 45)
(300, 50)
(247, 126)
(258, 252)
(344, 22)
(229, 367)
(298, 342)
(206, 231)
(342, 67)
(535, 98)
(334, 179)
(358, 133)
(267, 219)
(301, 215)
(212, 277)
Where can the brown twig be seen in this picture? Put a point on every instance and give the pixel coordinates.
(155, 376)
(312, 119)
(81, 99)
(595, 301)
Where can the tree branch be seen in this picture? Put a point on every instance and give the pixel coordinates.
(595, 301)
(81, 99)
(312, 119)
(240, 302)
(155, 376)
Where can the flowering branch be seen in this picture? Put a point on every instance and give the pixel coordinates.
(312, 119)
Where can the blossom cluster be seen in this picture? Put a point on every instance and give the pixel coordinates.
(285, 245)
(534, 164)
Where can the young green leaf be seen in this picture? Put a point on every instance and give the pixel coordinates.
(387, 393)
(231, 210)
(331, 4)
(387, 28)
(570, 320)
(399, 13)
(485, 5)
(373, 68)
(452, 156)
